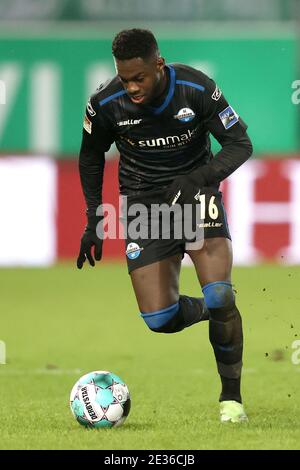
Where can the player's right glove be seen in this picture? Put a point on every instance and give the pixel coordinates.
(89, 240)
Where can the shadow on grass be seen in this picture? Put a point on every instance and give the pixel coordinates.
(125, 427)
(146, 426)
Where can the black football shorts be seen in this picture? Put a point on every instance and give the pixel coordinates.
(153, 232)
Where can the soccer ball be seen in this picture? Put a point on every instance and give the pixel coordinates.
(100, 399)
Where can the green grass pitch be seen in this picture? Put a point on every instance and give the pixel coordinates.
(60, 323)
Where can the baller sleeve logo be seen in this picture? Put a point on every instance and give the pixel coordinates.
(228, 117)
(90, 109)
(216, 94)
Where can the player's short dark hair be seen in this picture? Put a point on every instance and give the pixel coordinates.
(132, 43)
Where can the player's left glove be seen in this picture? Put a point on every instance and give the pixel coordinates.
(185, 188)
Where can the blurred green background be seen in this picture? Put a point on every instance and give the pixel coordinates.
(54, 54)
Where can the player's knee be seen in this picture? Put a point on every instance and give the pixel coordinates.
(218, 295)
(159, 321)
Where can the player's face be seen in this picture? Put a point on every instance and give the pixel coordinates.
(143, 80)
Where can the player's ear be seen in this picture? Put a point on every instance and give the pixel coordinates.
(160, 61)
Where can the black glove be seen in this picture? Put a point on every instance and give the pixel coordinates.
(88, 240)
(185, 188)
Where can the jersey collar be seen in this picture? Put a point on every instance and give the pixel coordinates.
(169, 94)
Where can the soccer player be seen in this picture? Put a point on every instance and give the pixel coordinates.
(160, 117)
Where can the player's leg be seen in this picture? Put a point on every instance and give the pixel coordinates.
(162, 308)
(213, 264)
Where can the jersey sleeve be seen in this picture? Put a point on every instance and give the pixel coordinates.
(229, 129)
(97, 138)
(220, 118)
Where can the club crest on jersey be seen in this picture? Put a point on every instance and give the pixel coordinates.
(185, 115)
(228, 117)
(133, 250)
